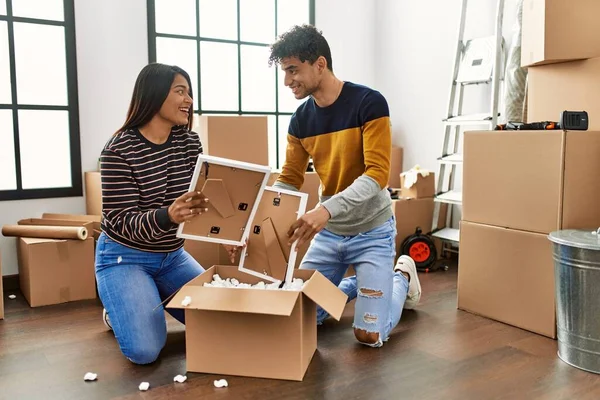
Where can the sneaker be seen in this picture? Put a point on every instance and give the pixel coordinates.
(106, 320)
(407, 264)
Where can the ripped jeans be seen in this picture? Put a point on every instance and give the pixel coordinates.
(380, 292)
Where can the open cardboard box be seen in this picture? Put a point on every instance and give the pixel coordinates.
(234, 189)
(253, 332)
(94, 219)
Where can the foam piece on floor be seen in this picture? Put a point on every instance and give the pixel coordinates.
(144, 386)
(90, 376)
(221, 383)
(12, 296)
(180, 379)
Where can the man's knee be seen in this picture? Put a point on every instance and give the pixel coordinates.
(369, 338)
(143, 354)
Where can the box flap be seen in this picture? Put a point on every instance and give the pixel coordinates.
(254, 301)
(216, 192)
(27, 240)
(73, 217)
(320, 290)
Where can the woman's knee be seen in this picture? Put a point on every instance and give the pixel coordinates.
(142, 354)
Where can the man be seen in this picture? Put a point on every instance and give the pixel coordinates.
(345, 128)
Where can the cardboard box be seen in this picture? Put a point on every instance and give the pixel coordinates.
(1, 291)
(208, 254)
(424, 187)
(56, 271)
(240, 138)
(94, 219)
(411, 214)
(260, 333)
(234, 190)
(396, 166)
(558, 30)
(573, 86)
(508, 276)
(93, 193)
(537, 181)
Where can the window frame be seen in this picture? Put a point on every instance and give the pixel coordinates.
(72, 107)
(153, 35)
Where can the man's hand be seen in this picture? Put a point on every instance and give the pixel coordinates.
(186, 207)
(308, 225)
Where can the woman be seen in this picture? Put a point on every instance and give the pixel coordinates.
(146, 168)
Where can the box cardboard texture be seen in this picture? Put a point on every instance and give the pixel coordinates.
(507, 275)
(422, 188)
(56, 271)
(93, 193)
(557, 30)
(396, 160)
(240, 138)
(536, 181)
(573, 86)
(208, 254)
(1, 291)
(254, 333)
(94, 219)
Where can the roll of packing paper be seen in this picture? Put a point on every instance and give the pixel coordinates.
(46, 232)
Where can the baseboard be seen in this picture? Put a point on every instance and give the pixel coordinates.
(10, 282)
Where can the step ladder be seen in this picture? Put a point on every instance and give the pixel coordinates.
(478, 61)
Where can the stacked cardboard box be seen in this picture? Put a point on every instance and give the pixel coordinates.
(1, 292)
(518, 187)
(560, 46)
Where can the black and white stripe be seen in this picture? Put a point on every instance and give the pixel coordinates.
(140, 180)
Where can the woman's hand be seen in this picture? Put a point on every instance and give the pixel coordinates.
(186, 207)
(234, 250)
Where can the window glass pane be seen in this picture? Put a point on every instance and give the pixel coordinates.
(42, 9)
(284, 123)
(182, 53)
(257, 21)
(8, 177)
(2, 7)
(175, 17)
(219, 76)
(287, 101)
(37, 83)
(258, 79)
(45, 149)
(290, 13)
(5, 87)
(218, 19)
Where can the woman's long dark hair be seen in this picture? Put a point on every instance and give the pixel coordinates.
(151, 89)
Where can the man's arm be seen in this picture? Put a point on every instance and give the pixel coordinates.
(296, 162)
(377, 148)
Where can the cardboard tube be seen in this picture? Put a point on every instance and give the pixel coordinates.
(47, 232)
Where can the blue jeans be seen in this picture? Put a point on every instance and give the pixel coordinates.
(382, 292)
(132, 284)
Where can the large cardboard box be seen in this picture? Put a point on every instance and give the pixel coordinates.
(255, 333)
(93, 193)
(573, 86)
(537, 181)
(1, 291)
(507, 275)
(240, 138)
(410, 215)
(424, 186)
(559, 30)
(396, 166)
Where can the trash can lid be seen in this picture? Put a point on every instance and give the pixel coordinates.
(577, 238)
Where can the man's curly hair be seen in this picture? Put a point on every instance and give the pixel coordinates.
(304, 42)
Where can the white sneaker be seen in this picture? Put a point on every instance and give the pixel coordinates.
(407, 264)
(105, 319)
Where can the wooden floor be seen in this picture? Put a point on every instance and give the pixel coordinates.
(437, 352)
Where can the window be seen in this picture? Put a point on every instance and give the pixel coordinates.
(224, 46)
(39, 123)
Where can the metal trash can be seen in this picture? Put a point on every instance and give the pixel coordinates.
(577, 282)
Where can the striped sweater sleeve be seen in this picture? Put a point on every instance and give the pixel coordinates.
(120, 202)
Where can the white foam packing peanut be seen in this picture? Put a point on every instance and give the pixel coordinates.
(90, 376)
(12, 296)
(296, 284)
(144, 386)
(180, 379)
(187, 300)
(221, 383)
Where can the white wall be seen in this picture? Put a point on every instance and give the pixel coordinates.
(416, 43)
(112, 47)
